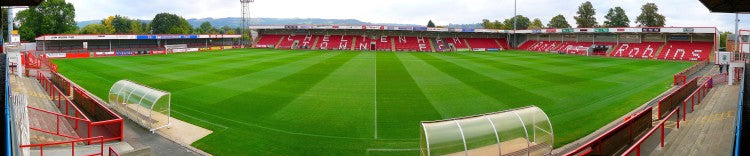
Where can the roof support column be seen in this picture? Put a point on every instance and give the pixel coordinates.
(736, 31)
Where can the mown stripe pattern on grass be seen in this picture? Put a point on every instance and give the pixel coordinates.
(284, 102)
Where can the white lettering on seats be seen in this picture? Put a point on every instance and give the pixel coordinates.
(648, 52)
(696, 55)
(307, 40)
(422, 45)
(667, 54)
(679, 51)
(634, 51)
(439, 44)
(344, 43)
(362, 44)
(621, 49)
(324, 44)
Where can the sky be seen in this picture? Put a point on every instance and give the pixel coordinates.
(678, 12)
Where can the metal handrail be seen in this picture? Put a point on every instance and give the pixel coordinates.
(637, 145)
(740, 106)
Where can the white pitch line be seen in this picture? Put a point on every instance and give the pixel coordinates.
(367, 152)
(375, 121)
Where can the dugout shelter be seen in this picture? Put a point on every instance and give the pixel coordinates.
(521, 131)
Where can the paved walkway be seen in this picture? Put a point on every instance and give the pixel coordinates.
(707, 131)
(135, 136)
(38, 98)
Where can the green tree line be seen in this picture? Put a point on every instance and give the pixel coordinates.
(57, 17)
(586, 18)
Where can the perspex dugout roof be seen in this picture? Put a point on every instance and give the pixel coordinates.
(521, 131)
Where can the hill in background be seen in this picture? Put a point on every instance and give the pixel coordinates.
(236, 22)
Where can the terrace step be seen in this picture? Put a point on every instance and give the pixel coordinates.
(38, 98)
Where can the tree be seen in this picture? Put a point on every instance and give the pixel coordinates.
(107, 22)
(94, 29)
(227, 30)
(4, 26)
(230, 32)
(487, 24)
(521, 23)
(49, 17)
(558, 21)
(430, 24)
(122, 24)
(498, 25)
(206, 28)
(650, 16)
(616, 17)
(139, 27)
(586, 13)
(536, 24)
(166, 23)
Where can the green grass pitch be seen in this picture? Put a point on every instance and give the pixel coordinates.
(286, 102)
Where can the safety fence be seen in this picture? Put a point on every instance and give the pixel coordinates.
(647, 141)
(112, 152)
(627, 134)
(64, 125)
(681, 77)
(40, 147)
(673, 100)
(737, 146)
(650, 140)
(61, 83)
(37, 60)
(87, 116)
(697, 96)
(622, 135)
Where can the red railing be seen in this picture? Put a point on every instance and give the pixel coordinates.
(589, 147)
(112, 152)
(674, 98)
(660, 126)
(73, 121)
(681, 77)
(63, 102)
(72, 145)
(697, 96)
(110, 127)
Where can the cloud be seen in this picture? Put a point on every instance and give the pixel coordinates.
(442, 12)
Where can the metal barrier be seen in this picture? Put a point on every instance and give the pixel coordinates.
(112, 152)
(611, 141)
(57, 129)
(56, 95)
(84, 126)
(694, 98)
(681, 77)
(72, 145)
(661, 126)
(673, 99)
(740, 106)
(697, 96)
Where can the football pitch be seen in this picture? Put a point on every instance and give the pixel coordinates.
(287, 102)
